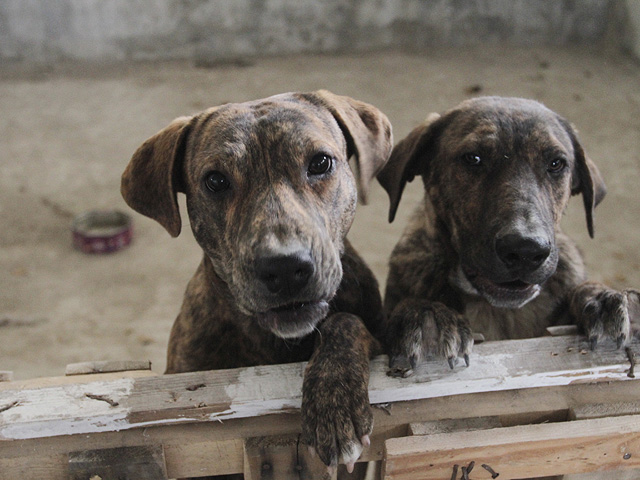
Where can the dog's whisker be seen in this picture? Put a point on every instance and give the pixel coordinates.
(318, 331)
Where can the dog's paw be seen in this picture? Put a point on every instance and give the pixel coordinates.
(606, 313)
(418, 329)
(336, 415)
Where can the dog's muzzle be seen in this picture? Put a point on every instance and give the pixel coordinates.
(294, 320)
(512, 294)
(521, 265)
(286, 280)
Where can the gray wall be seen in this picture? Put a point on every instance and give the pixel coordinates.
(630, 20)
(218, 30)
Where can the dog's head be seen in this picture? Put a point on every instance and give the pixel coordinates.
(498, 173)
(270, 195)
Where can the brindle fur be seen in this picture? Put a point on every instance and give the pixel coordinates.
(229, 318)
(446, 276)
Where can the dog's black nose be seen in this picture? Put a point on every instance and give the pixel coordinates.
(522, 253)
(285, 274)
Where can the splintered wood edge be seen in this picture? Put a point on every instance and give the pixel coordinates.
(85, 368)
(201, 397)
(559, 330)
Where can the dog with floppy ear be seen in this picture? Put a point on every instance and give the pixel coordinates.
(270, 197)
(484, 251)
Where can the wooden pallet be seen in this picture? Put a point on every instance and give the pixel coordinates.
(524, 408)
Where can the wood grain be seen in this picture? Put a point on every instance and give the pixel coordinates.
(241, 393)
(85, 368)
(202, 419)
(141, 463)
(519, 452)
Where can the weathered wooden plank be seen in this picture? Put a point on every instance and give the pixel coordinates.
(85, 368)
(127, 403)
(195, 459)
(54, 467)
(141, 463)
(195, 414)
(454, 425)
(579, 446)
(282, 458)
(600, 410)
(38, 383)
(215, 448)
(190, 450)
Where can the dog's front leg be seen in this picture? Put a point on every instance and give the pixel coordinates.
(420, 328)
(336, 416)
(604, 312)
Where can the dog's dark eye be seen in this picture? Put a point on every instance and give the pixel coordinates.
(556, 165)
(472, 159)
(320, 163)
(217, 182)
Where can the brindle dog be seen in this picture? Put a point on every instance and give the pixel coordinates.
(270, 197)
(484, 250)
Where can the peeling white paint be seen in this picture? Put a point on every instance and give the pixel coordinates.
(268, 397)
(46, 412)
(67, 410)
(53, 428)
(251, 395)
(259, 407)
(475, 380)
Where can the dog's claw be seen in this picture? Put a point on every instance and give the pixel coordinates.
(413, 361)
(365, 441)
(451, 362)
(350, 466)
(466, 359)
(593, 343)
(401, 366)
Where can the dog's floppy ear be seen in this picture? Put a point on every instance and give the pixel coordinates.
(586, 179)
(404, 163)
(151, 181)
(367, 131)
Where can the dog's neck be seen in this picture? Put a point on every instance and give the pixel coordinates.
(426, 218)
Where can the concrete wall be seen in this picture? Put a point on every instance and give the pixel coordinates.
(215, 30)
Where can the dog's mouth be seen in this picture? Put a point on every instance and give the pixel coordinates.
(290, 307)
(511, 294)
(293, 320)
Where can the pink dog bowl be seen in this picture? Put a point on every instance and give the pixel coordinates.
(101, 231)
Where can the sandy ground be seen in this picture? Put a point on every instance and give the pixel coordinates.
(68, 132)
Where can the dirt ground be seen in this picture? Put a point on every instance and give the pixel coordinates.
(67, 133)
